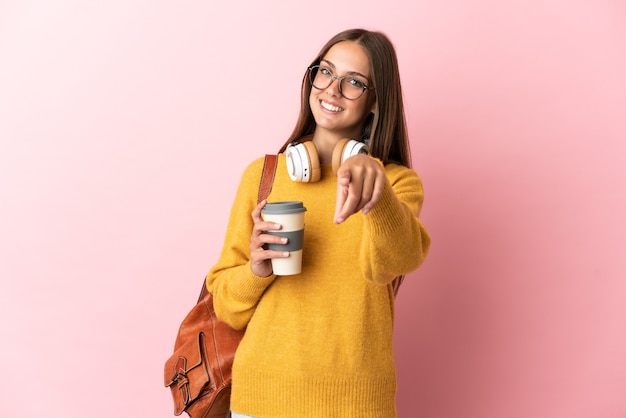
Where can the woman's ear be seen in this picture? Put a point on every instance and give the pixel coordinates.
(371, 121)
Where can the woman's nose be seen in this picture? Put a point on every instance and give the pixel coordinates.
(334, 89)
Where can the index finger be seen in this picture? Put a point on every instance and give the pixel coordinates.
(348, 200)
(256, 213)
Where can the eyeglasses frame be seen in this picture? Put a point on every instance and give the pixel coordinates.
(334, 77)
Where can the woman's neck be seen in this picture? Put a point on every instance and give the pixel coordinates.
(325, 144)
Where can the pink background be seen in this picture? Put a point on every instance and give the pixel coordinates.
(125, 126)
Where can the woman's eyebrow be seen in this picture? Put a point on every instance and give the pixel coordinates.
(330, 64)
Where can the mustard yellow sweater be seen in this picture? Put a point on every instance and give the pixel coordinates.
(319, 344)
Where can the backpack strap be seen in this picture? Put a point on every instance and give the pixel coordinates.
(267, 177)
(396, 284)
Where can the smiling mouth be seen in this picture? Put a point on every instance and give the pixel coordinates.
(330, 107)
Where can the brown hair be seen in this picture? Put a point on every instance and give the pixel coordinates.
(386, 127)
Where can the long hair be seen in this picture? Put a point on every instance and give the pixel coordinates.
(386, 127)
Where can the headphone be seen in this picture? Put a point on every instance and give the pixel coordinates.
(303, 163)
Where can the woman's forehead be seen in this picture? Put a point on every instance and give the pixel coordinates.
(347, 57)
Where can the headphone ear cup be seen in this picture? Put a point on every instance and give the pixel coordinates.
(345, 149)
(303, 163)
(314, 162)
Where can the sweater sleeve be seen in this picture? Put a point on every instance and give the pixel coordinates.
(236, 289)
(395, 240)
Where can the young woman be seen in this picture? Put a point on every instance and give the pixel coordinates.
(319, 343)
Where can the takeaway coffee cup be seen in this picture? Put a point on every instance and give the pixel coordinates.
(290, 214)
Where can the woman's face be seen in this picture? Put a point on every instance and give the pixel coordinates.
(332, 111)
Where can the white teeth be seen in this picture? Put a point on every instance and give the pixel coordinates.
(330, 107)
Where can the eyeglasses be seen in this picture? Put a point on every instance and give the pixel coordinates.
(350, 87)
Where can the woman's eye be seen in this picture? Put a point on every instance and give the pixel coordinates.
(354, 82)
(325, 71)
